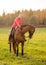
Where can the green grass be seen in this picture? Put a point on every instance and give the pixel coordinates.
(34, 49)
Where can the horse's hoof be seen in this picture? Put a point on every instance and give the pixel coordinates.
(17, 55)
(22, 54)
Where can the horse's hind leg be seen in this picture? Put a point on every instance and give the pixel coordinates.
(22, 48)
(14, 48)
(10, 47)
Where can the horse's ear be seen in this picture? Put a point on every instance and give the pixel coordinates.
(34, 26)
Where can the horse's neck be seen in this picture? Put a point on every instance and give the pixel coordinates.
(25, 29)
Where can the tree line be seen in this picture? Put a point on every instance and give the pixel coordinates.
(37, 18)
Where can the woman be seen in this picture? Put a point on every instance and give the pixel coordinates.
(16, 24)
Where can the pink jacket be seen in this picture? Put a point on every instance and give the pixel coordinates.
(17, 22)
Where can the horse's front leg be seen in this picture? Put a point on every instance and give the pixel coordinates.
(22, 48)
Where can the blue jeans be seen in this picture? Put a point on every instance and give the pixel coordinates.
(11, 36)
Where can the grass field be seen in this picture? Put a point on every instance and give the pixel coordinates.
(34, 49)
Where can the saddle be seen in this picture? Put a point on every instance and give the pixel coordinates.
(11, 37)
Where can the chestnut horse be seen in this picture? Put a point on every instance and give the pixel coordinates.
(19, 36)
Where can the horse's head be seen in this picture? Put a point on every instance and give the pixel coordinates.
(31, 32)
(28, 28)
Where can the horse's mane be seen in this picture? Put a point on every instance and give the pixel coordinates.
(27, 25)
(23, 25)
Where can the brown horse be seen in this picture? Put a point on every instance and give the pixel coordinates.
(19, 36)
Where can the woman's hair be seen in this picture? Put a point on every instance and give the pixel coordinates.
(20, 15)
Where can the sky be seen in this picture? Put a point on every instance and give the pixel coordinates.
(10, 6)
